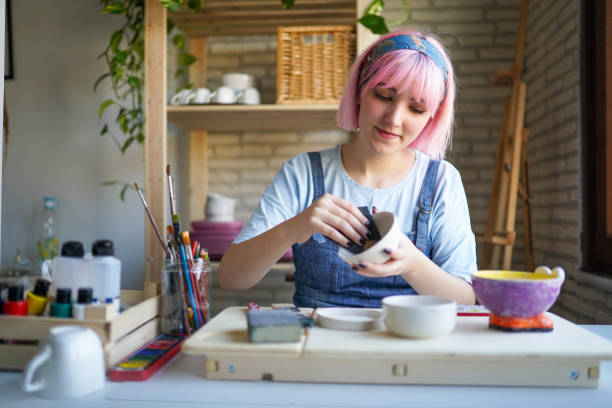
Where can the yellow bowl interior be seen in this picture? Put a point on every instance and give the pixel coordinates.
(512, 275)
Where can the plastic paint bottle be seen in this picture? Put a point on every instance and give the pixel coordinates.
(37, 299)
(104, 271)
(62, 306)
(69, 270)
(15, 305)
(84, 299)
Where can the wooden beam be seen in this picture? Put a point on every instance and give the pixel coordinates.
(155, 132)
(198, 139)
(197, 70)
(517, 144)
(198, 173)
(520, 39)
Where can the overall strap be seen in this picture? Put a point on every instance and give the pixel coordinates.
(317, 174)
(425, 205)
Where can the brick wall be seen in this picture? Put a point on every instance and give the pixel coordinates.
(553, 117)
(481, 36)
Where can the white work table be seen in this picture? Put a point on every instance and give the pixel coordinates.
(181, 383)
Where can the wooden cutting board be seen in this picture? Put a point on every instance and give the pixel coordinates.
(472, 354)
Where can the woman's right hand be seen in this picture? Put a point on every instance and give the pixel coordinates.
(334, 218)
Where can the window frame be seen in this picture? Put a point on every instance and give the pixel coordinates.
(596, 95)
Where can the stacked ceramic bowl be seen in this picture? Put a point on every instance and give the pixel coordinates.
(219, 208)
(216, 237)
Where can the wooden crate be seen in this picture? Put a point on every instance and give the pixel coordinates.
(312, 63)
(120, 335)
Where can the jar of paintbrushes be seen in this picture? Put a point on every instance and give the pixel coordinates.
(184, 277)
(184, 294)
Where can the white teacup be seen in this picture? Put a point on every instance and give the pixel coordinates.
(182, 97)
(249, 96)
(70, 364)
(200, 96)
(223, 95)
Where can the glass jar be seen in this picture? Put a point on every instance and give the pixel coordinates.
(172, 313)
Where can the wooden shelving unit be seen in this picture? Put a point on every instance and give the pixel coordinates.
(221, 17)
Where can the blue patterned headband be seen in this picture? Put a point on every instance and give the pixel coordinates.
(405, 42)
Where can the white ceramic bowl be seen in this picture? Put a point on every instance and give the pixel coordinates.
(389, 230)
(419, 316)
(217, 204)
(238, 80)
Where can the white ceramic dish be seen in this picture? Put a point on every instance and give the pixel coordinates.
(238, 80)
(346, 318)
(389, 230)
(419, 316)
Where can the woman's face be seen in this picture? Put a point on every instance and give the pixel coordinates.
(389, 121)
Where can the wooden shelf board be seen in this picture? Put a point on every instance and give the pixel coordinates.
(222, 17)
(234, 118)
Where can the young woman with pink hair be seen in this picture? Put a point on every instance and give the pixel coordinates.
(399, 98)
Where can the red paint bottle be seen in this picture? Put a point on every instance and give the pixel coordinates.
(15, 305)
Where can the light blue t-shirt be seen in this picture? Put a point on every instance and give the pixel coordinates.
(453, 244)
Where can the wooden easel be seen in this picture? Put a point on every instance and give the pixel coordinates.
(511, 177)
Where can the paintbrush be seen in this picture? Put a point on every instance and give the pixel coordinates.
(183, 265)
(176, 225)
(176, 220)
(148, 211)
(181, 288)
(193, 275)
(171, 191)
(187, 243)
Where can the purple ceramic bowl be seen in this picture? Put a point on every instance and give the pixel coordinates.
(517, 294)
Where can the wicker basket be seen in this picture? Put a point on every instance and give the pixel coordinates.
(312, 63)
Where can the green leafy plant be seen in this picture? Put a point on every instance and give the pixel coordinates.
(373, 20)
(124, 58)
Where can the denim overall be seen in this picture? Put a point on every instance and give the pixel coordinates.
(322, 279)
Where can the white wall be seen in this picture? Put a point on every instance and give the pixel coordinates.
(54, 147)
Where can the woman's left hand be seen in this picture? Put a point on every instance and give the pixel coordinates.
(400, 262)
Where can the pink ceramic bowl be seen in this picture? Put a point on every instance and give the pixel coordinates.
(518, 294)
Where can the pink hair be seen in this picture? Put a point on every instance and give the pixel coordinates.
(406, 70)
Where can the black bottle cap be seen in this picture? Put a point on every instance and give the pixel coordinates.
(73, 249)
(42, 287)
(63, 295)
(85, 295)
(15, 293)
(103, 247)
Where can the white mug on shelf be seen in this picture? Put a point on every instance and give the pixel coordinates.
(249, 96)
(182, 97)
(70, 364)
(223, 95)
(201, 96)
(238, 81)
